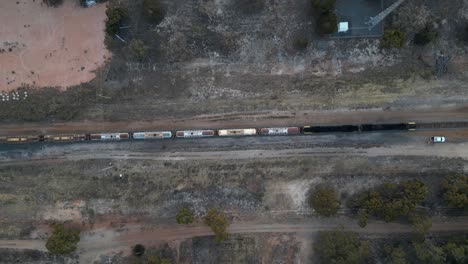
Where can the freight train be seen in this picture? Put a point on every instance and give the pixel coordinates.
(147, 135)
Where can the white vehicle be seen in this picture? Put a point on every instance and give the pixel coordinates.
(437, 139)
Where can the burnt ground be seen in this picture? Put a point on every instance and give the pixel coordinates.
(209, 57)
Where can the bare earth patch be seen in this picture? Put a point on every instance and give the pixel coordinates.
(46, 46)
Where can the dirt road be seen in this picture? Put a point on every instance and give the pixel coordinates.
(106, 240)
(255, 119)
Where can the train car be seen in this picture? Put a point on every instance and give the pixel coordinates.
(277, 131)
(152, 135)
(22, 139)
(411, 126)
(329, 129)
(237, 132)
(385, 127)
(110, 136)
(64, 138)
(195, 133)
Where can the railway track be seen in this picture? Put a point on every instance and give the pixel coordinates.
(441, 125)
(304, 130)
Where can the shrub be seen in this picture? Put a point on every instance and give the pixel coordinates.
(62, 241)
(138, 250)
(327, 23)
(421, 223)
(184, 217)
(138, 48)
(115, 16)
(301, 43)
(393, 38)
(341, 247)
(425, 36)
(218, 223)
(54, 3)
(324, 6)
(325, 201)
(455, 191)
(152, 10)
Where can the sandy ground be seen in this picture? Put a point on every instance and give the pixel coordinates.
(46, 46)
(107, 240)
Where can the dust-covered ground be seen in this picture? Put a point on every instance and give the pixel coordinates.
(224, 56)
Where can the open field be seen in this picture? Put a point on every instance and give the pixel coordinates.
(45, 46)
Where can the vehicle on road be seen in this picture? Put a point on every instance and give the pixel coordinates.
(437, 139)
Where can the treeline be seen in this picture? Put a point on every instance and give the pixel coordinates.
(393, 201)
(347, 247)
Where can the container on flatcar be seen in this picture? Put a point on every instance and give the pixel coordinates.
(22, 139)
(276, 131)
(152, 135)
(110, 136)
(195, 133)
(64, 138)
(237, 132)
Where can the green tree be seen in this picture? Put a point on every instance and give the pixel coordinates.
(341, 247)
(218, 223)
(363, 216)
(455, 191)
(184, 216)
(327, 23)
(393, 38)
(421, 223)
(390, 201)
(325, 201)
(115, 16)
(425, 36)
(395, 255)
(63, 240)
(152, 10)
(428, 253)
(138, 48)
(456, 252)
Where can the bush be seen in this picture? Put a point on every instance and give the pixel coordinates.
(393, 38)
(425, 36)
(184, 217)
(324, 6)
(327, 23)
(218, 223)
(455, 191)
(115, 16)
(62, 241)
(138, 48)
(138, 250)
(325, 201)
(341, 247)
(152, 10)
